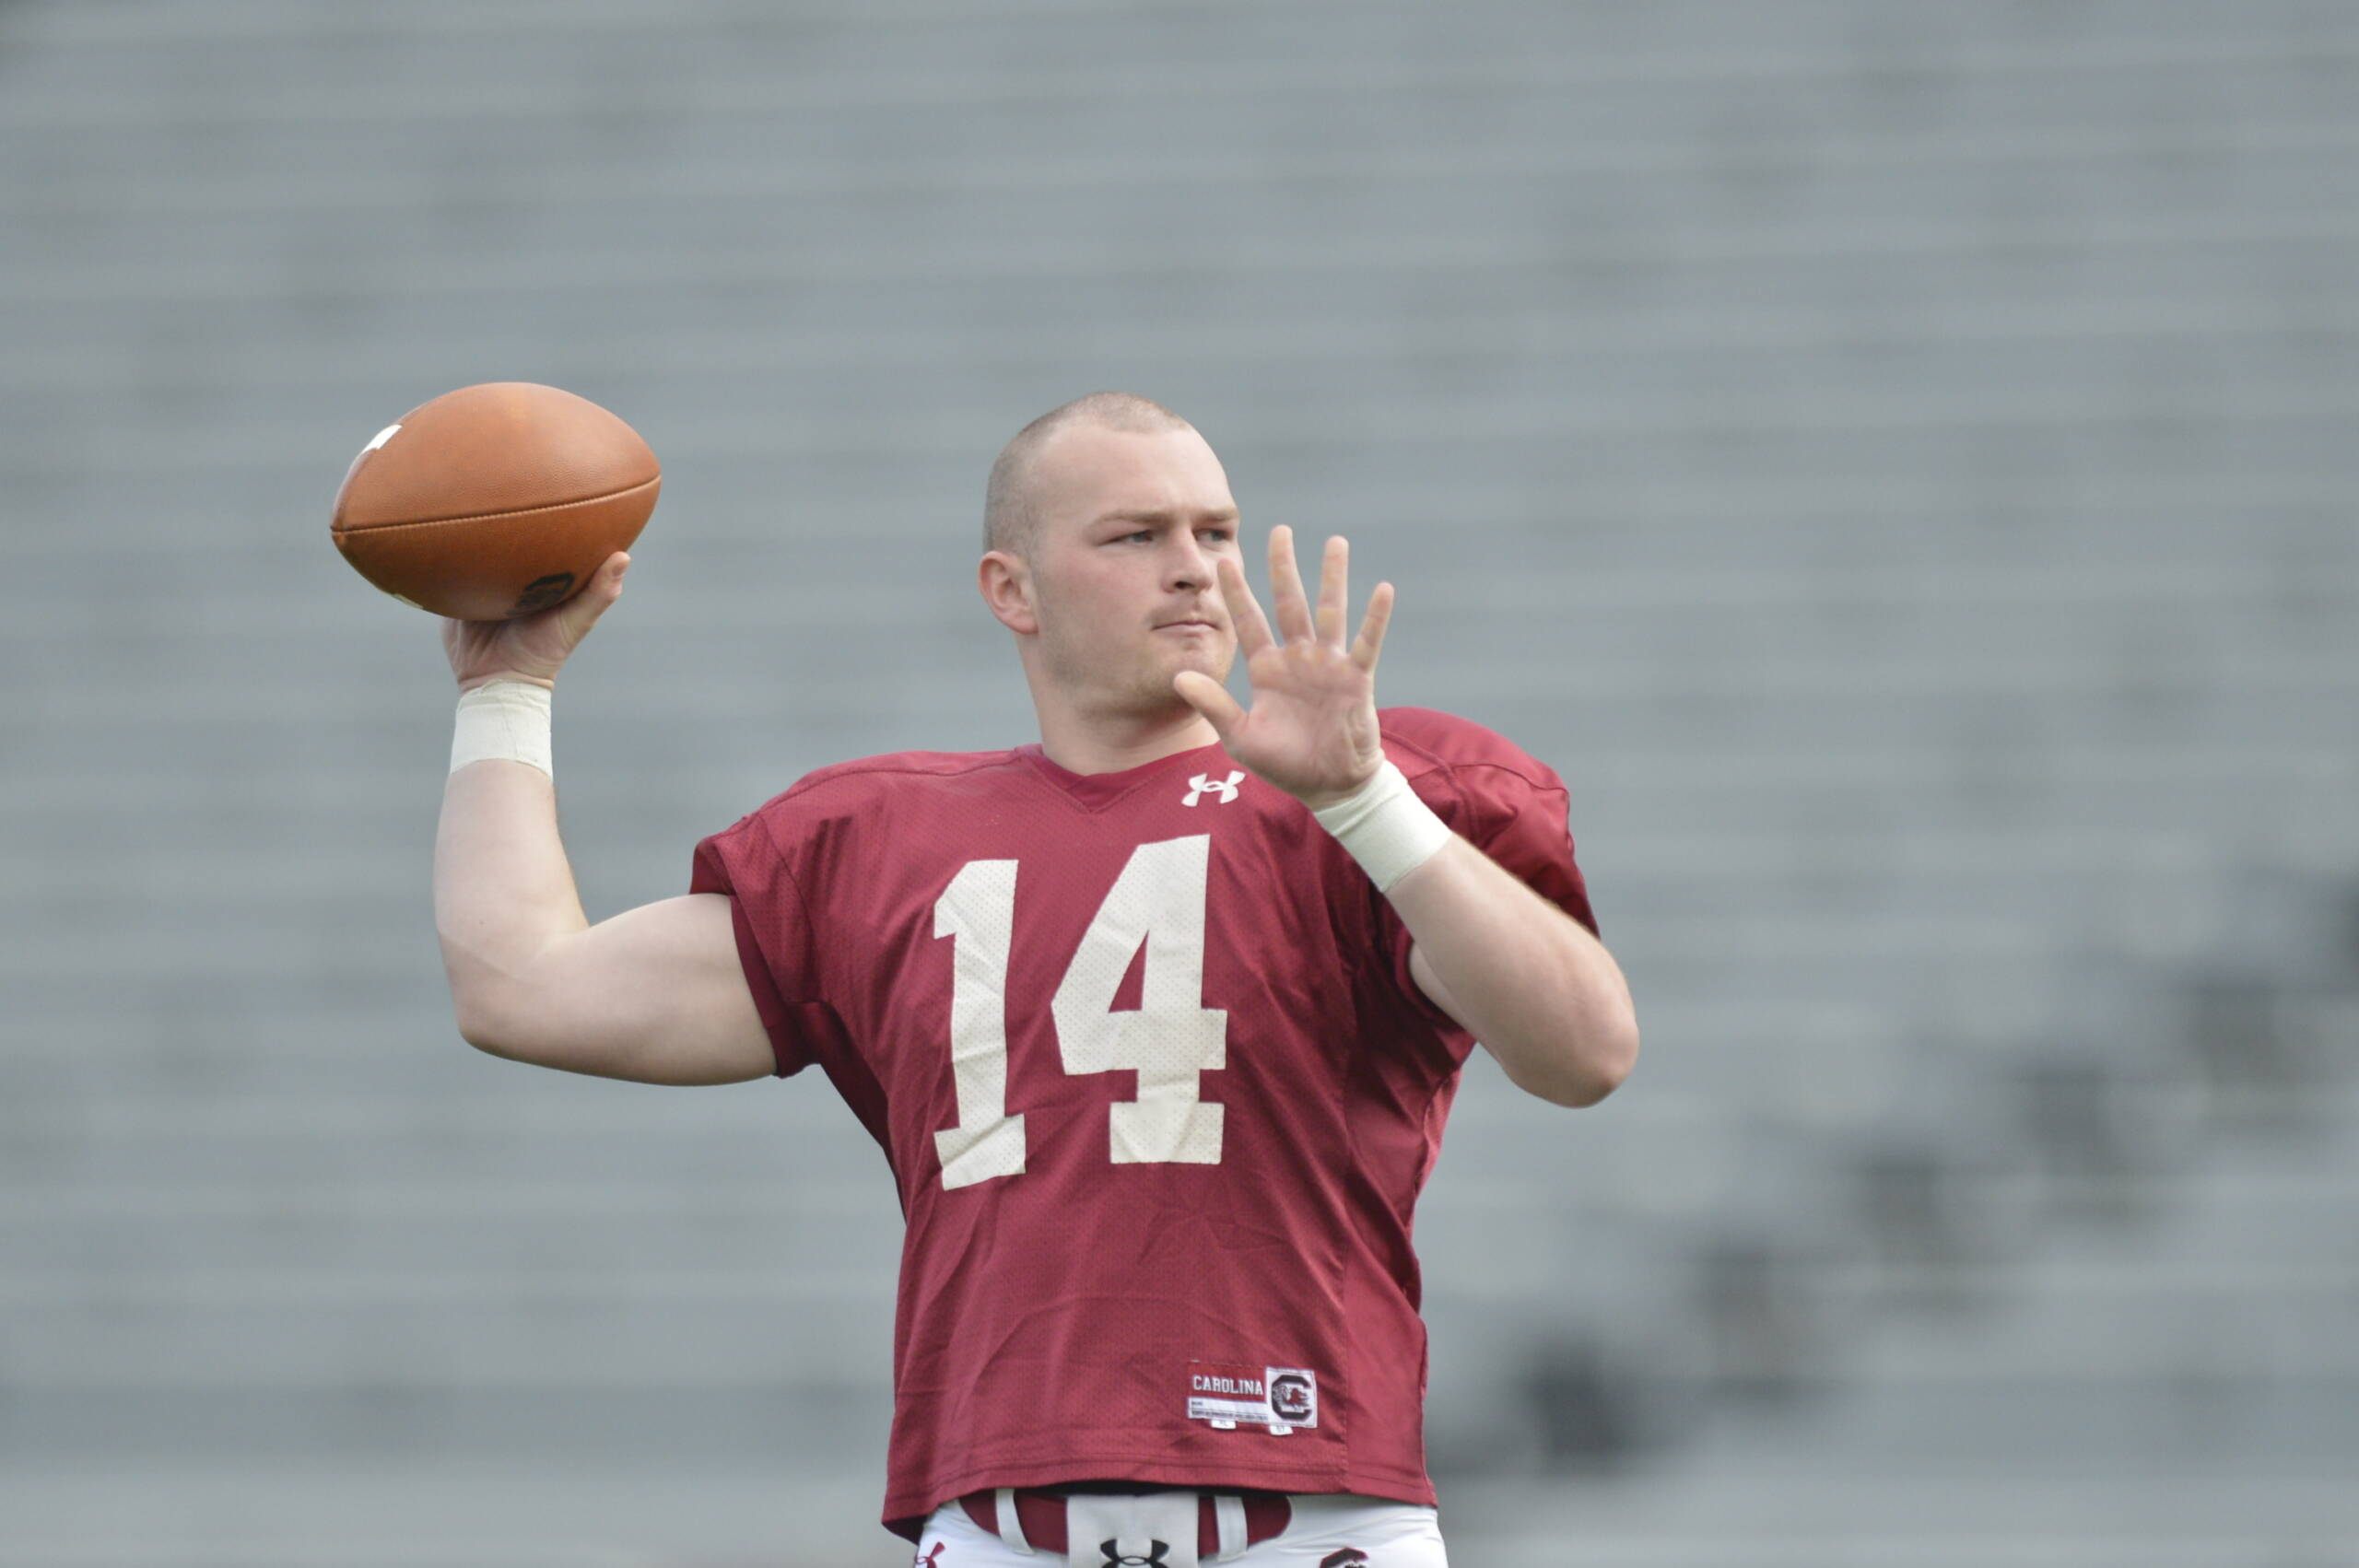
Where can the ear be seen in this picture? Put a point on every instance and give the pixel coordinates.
(1006, 584)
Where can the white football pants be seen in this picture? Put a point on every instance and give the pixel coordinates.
(1324, 1533)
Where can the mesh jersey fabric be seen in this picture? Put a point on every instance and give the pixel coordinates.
(1157, 1092)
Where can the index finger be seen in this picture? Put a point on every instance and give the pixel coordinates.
(1370, 645)
(1285, 587)
(1244, 615)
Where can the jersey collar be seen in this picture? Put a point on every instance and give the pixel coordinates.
(1095, 791)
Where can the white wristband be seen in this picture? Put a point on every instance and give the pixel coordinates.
(506, 720)
(1387, 830)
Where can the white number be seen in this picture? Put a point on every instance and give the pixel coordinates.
(1159, 901)
(976, 911)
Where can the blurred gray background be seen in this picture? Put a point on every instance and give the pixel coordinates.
(1894, 459)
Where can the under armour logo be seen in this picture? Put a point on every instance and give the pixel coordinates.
(1154, 1558)
(1203, 781)
(932, 1558)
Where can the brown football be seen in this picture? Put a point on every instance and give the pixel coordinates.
(494, 500)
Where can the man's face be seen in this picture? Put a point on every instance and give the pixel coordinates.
(1122, 565)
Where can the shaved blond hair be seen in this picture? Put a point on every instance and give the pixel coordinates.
(1010, 519)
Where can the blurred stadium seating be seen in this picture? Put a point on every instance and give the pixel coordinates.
(1896, 460)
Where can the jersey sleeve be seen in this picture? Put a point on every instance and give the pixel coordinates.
(745, 864)
(1509, 805)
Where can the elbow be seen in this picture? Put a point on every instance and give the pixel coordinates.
(1604, 1079)
(1612, 1057)
(1594, 1066)
(471, 994)
(492, 1009)
(479, 1027)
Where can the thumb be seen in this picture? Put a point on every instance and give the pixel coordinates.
(605, 585)
(1210, 698)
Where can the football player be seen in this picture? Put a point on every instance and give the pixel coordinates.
(1157, 1019)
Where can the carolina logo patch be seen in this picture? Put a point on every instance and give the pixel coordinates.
(1279, 1397)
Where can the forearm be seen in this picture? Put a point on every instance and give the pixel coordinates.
(1525, 979)
(502, 887)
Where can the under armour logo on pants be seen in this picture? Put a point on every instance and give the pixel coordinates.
(1154, 1558)
(1156, 1529)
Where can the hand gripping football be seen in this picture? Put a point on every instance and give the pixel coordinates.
(494, 500)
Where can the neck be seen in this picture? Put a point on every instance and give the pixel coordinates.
(1110, 742)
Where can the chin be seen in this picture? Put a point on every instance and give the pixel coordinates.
(1206, 659)
(1152, 691)
(1146, 688)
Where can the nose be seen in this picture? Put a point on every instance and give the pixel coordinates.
(1189, 568)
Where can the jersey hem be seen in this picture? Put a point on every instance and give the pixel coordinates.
(905, 1516)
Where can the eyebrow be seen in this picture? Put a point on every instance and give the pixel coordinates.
(1226, 514)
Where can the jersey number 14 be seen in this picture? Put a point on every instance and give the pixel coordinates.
(1158, 900)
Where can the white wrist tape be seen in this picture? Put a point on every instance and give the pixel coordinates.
(1387, 830)
(506, 720)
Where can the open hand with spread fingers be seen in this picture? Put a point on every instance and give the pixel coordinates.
(1311, 731)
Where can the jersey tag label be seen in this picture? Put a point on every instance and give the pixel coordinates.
(1279, 1397)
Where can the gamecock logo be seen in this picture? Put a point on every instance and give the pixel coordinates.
(1290, 1396)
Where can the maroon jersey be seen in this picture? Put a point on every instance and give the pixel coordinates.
(1156, 1087)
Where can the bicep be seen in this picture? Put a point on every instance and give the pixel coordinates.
(654, 995)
